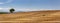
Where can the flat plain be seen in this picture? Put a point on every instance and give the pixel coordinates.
(50, 16)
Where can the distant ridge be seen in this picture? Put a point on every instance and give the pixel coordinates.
(39, 10)
(48, 11)
(4, 12)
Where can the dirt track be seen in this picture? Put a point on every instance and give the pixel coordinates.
(31, 17)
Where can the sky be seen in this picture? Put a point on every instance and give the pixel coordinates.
(29, 5)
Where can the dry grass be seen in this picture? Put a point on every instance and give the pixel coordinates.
(31, 17)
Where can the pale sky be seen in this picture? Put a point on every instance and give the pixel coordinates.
(29, 5)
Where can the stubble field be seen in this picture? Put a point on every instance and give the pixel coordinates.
(52, 16)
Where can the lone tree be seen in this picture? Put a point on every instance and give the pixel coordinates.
(12, 10)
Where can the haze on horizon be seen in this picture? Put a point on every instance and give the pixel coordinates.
(29, 5)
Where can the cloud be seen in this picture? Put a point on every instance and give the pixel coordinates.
(1, 8)
(33, 9)
(4, 9)
(24, 9)
(8, 1)
(1, 3)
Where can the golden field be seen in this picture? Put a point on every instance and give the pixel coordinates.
(50, 16)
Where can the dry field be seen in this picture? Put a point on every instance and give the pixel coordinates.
(52, 16)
